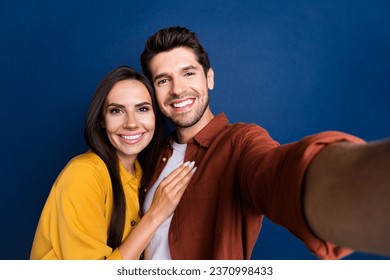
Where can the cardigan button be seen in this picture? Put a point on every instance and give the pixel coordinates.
(132, 223)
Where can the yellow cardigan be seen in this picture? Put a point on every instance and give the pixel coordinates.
(76, 216)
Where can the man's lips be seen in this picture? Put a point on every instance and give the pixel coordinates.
(182, 103)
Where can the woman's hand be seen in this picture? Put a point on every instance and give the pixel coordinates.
(170, 191)
(165, 200)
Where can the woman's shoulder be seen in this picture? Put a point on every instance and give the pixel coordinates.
(87, 160)
(85, 167)
(83, 170)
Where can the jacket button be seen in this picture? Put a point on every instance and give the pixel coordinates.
(164, 159)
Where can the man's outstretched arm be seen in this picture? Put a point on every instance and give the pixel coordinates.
(347, 196)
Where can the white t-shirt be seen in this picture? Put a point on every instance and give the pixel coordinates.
(158, 248)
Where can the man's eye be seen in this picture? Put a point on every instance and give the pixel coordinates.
(162, 81)
(189, 74)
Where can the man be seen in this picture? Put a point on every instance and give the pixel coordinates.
(331, 186)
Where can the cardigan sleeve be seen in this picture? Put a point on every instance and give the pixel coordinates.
(81, 196)
(76, 215)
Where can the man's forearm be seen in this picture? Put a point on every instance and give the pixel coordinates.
(347, 196)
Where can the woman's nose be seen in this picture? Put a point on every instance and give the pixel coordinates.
(131, 121)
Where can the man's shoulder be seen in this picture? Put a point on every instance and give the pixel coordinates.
(247, 134)
(242, 127)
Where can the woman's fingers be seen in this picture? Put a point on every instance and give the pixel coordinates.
(178, 174)
(176, 182)
(171, 189)
(180, 183)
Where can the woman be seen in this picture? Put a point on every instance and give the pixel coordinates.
(92, 211)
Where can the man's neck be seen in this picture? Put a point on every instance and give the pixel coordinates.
(186, 134)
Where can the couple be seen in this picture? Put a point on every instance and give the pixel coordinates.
(203, 193)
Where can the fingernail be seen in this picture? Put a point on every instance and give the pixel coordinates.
(194, 169)
(192, 164)
(187, 163)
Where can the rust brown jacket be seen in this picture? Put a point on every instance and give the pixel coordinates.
(242, 176)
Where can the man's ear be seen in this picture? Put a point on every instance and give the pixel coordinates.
(210, 79)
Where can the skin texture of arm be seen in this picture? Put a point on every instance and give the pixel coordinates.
(347, 196)
(164, 202)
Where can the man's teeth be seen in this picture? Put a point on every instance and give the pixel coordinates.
(183, 104)
(131, 137)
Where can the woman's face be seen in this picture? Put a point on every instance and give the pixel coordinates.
(129, 119)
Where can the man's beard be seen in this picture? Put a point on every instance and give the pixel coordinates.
(184, 121)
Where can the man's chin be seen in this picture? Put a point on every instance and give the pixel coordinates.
(184, 123)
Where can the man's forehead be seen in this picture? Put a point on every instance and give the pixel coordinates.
(173, 60)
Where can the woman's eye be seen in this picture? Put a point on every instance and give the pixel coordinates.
(144, 109)
(115, 111)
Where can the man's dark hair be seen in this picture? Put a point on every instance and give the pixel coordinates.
(168, 39)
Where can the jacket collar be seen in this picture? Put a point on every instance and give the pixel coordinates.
(206, 136)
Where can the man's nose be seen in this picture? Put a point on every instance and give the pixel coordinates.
(178, 87)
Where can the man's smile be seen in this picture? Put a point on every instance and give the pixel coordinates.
(183, 103)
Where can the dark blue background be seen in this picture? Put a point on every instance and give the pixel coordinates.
(294, 67)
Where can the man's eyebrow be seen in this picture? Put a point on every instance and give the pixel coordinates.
(159, 76)
(189, 67)
(183, 69)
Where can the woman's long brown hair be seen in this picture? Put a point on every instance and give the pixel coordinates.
(96, 138)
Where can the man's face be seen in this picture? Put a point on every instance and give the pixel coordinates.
(181, 86)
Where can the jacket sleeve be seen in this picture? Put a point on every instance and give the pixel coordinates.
(272, 178)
